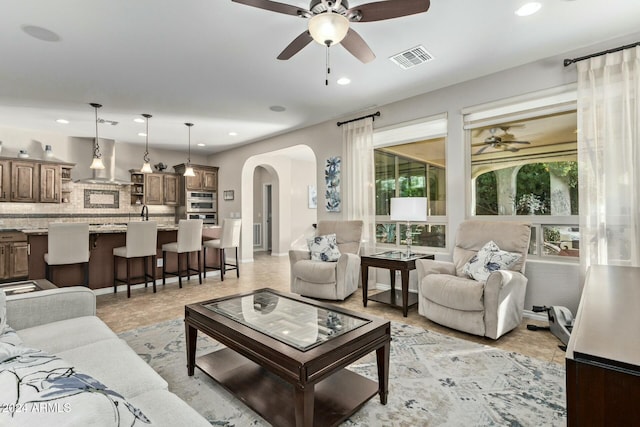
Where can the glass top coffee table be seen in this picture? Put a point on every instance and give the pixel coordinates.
(285, 355)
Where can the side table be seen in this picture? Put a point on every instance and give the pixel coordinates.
(394, 261)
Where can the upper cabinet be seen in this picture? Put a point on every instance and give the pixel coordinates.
(206, 177)
(33, 180)
(156, 188)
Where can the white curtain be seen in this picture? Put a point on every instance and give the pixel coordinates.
(357, 140)
(609, 158)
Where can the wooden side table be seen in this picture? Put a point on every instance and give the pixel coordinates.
(394, 261)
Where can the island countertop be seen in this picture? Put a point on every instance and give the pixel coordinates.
(207, 230)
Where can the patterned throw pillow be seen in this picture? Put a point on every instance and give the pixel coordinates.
(489, 259)
(324, 248)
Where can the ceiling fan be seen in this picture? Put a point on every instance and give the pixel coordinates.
(501, 142)
(329, 22)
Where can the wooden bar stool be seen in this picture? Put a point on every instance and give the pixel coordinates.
(142, 240)
(189, 240)
(230, 239)
(68, 243)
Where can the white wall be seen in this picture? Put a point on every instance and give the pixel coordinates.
(325, 140)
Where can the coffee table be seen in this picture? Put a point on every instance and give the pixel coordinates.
(285, 355)
(392, 260)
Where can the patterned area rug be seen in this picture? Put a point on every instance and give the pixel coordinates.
(434, 380)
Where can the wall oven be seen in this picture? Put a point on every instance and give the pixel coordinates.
(207, 218)
(201, 201)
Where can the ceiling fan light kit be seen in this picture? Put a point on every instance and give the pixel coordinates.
(328, 28)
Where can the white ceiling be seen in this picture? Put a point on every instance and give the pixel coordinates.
(213, 62)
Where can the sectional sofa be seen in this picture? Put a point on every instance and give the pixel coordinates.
(60, 365)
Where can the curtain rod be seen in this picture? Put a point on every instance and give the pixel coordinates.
(373, 116)
(568, 62)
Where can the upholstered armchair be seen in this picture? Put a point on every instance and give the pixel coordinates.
(334, 280)
(491, 306)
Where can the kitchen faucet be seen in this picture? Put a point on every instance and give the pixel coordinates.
(145, 213)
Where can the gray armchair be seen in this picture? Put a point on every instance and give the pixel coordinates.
(329, 280)
(446, 295)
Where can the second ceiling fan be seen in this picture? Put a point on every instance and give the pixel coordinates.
(329, 22)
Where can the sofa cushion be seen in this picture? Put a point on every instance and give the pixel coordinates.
(164, 408)
(114, 363)
(314, 271)
(45, 390)
(454, 292)
(324, 248)
(63, 335)
(489, 259)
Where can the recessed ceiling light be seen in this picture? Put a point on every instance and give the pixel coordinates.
(62, 121)
(40, 33)
(142, 134)
(201, 145)
(138, 120)
(528, 8)
(344, 81)
(277, 108)
(233, 133)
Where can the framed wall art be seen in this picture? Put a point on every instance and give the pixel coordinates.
(332, 180)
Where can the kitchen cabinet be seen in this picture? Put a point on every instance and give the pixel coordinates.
(14, 256)
(205, 179)
(171, 193)
(50, 183)
(155, 188)
(5, 181)
(24, 178)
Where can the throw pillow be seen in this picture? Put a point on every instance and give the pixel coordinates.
(489, 259)
(324, 248)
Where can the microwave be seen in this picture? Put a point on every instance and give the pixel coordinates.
(199, 201)
(207, 218)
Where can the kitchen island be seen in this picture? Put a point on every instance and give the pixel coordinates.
(102, 240)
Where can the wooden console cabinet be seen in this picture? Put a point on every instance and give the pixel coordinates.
(603, 355)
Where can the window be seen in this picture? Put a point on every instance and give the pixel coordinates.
(411, 169)
(524, 164)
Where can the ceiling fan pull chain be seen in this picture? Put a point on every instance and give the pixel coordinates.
(327, 60)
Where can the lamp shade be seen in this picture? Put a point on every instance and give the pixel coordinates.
(408, 208)
(328, 28)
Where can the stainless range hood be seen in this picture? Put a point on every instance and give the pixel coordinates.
(105, 176)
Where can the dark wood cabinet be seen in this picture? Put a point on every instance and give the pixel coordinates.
(14, 256)
(153, 189)
(603, 354)
(205, 179)
(50, 183)
(24, 178)
(209, 180)
(158, 188)
(171, 191)
(5, 181)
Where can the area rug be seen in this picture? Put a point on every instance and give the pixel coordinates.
(434, 380)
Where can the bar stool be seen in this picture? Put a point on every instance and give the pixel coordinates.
(68, 243)
(189, 240)
(142, 239)
(230, 239)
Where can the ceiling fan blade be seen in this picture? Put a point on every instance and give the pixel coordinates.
(357, 46)
(480, 151)
(516, 142)
(273, 6)
(512, 149)
(381, 10)
(296, 46)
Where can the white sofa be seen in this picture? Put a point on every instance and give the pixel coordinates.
(63, 323)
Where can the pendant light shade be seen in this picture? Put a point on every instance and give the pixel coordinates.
(189, 170)
(97, 157)
(146, 166)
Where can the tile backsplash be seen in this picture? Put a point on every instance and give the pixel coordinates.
(39, 215)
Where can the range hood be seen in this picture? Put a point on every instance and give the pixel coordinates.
(106, 176)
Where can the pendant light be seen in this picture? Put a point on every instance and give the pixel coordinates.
(97, 160)
(146, 167)
(189, 170)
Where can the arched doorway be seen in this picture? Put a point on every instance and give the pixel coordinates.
(290, 172)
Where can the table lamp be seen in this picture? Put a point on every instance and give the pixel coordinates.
(409, 209)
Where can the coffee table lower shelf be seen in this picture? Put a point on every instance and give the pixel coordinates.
(335, 398)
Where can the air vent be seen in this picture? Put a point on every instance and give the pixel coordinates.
(412, 57)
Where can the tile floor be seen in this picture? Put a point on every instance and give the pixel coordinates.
(146, 308)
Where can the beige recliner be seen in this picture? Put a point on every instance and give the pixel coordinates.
(329, 280)
(446, 295)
